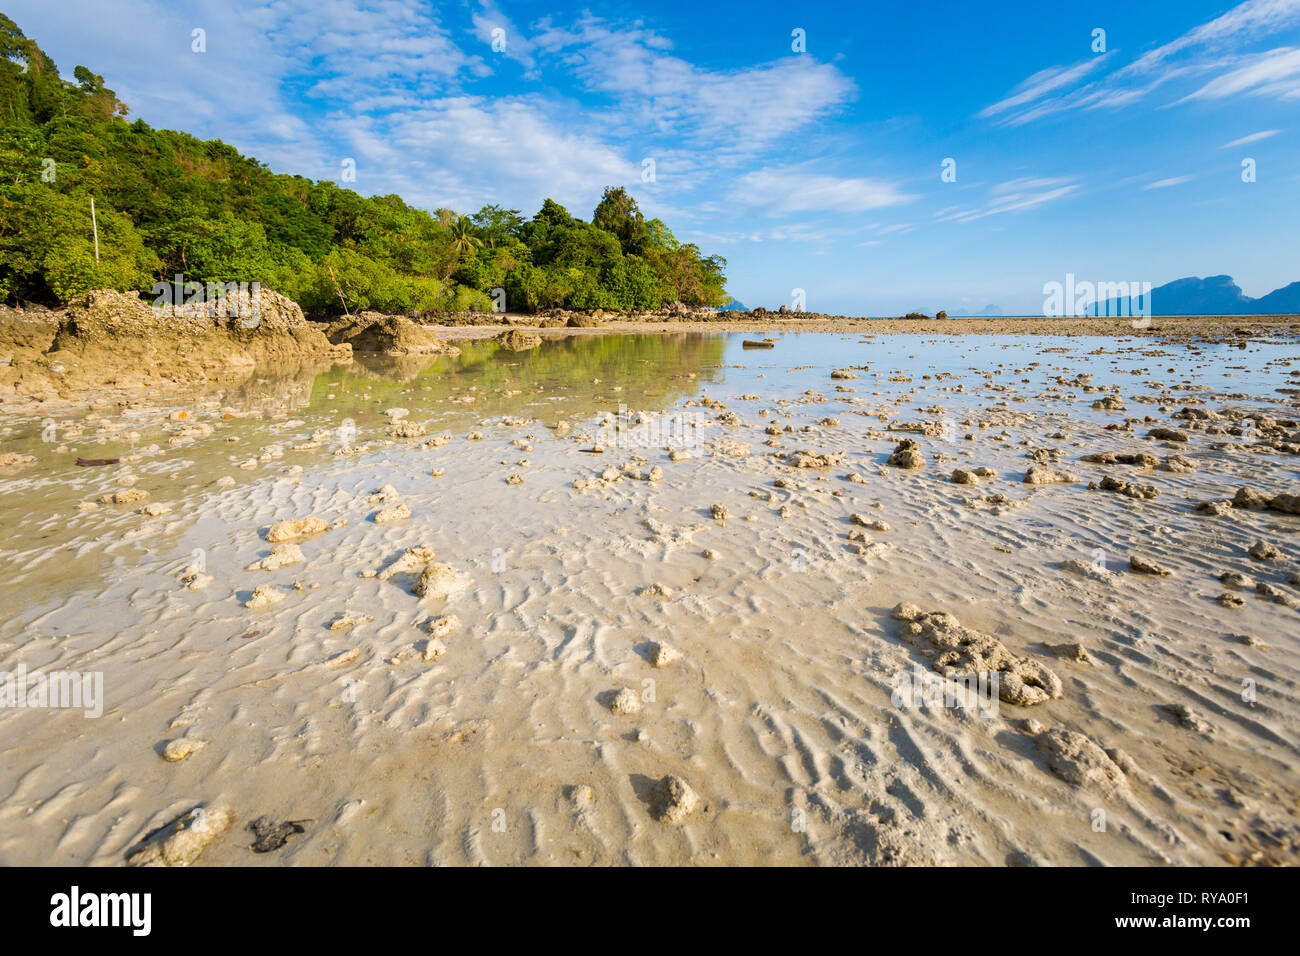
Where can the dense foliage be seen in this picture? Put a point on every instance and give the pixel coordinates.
(167, 204)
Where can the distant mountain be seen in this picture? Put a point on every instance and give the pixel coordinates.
(990, 310)
(1213, 295)
(1283, 301)
(735, 305)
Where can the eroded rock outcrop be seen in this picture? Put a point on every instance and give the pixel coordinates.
(375, 332)
(517, 340)
(107, 339)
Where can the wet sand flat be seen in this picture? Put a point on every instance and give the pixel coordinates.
(544, 581)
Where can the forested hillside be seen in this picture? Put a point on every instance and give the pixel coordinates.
(168, 203)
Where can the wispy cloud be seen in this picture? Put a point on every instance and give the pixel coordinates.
(498, 33)
(1016, 195)
(737, 110)
(1246, 21)
(1042, 83)
(1166, 183)
(1275, 73)
(1216, 47)
(1252, 138)
(796, 189)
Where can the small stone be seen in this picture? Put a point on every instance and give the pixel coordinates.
(405, 429)
(264, 596)
(1249, 499)
(625, 702)
(1235, 579)
(907, 454)
(1264, 551)
(1270, 592)
(442, 627)
(413, 559)
(391, 514)
(282, 555)
(128, 496)
(1189, 718)
(907, 611)
(182, 747)
(1076, 759)
(345, 622)
(1145, 565)
(183, 840)
(440, 581)
(673, 800)
(296, 528)
(1071, 652)
(1042, 475)
(196, 580)
(662, 655)
(344, 657)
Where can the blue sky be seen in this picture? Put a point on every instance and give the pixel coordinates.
(818, 170)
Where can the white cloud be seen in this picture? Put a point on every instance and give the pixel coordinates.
(1276, 72)
(733, 111)
(1248, 20)
(793, 189)
(1016, 195)
(788, 232)
(1042, 83)
(1198, 51)
(488, 19)
(465, 151)
(1166, 183)
(1252, 138)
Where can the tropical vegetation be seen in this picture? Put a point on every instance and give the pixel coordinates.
(169, 204)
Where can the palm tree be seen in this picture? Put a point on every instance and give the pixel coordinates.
(463, 243)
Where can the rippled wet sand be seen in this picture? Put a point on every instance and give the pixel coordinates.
(779, 715)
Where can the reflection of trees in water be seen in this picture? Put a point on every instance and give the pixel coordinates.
(272, 392)
(578, 373)
(400, 369)
(572, 362)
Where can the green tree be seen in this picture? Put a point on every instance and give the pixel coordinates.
(617, 213)
(463, 240)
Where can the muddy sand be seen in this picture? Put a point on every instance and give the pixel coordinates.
(936, 596)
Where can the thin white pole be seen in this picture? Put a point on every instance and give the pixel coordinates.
(94, 227)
